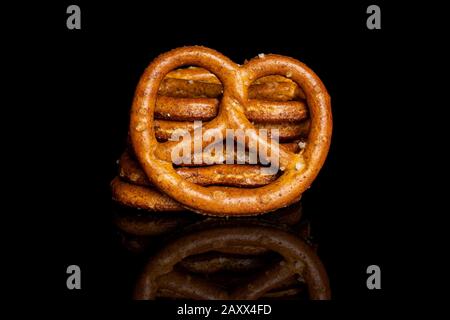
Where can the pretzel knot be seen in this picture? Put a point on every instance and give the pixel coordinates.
(299, 170)
(298, 260)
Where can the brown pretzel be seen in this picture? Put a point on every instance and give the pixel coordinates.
(194, 74)
(299, 169)
(298, 259)
(294, 146)
(287, 131)
(185, 109)
(203, 75)
(150, 199)
(199, 75)
(141, 197)
(190, 109)
(272, 88)
(232, 175)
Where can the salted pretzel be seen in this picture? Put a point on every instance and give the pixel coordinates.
(200, 83)
(232, 175)
(142, 198)
(298, 259)
(287, 131)
(184, 109)
(138, 194)
(299, 169)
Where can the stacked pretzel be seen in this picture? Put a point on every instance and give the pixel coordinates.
(263, 236)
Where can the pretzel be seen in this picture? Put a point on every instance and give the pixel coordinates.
(190, 109)
(294, 146)
(287, 131)
(194, 74)
(232, 175)
(203, 75)
(184, 109)
(142, 198)
(274, 88)
(299, 169)
(298, 259)
(178, 88)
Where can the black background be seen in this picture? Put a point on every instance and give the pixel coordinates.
(90, 76)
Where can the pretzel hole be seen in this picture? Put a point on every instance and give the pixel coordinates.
(277, 102)
(186, 95)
